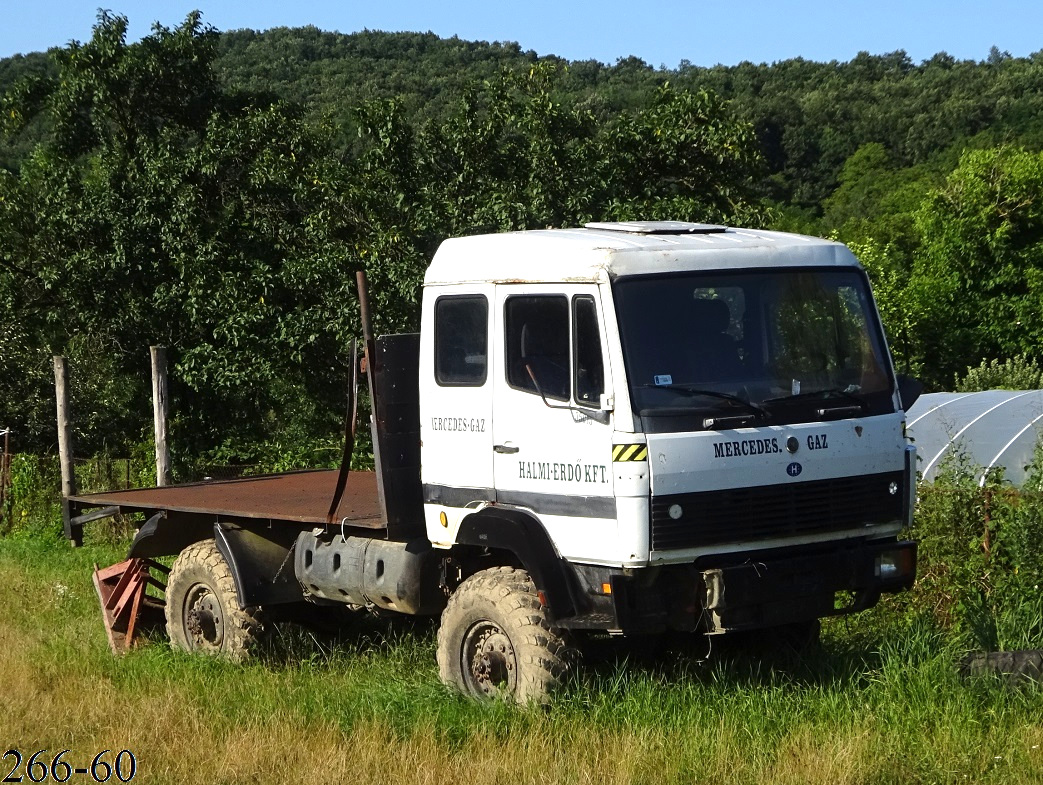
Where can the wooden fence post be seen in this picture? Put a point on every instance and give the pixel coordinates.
(159, 411)
(61, 390)
(5, 468)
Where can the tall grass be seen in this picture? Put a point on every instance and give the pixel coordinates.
(368, 707)
(882, 702)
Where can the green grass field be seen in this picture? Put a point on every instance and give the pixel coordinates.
(368, 707)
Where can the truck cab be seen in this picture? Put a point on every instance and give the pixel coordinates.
(698, 427)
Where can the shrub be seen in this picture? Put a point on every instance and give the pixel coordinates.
(981, 564)
(1017, 373)
(32, 507)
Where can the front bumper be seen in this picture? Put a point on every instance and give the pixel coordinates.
(745, 591)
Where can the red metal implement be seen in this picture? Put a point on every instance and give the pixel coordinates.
(124, 604)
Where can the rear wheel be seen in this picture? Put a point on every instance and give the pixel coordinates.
(203, 612)
(495, 639)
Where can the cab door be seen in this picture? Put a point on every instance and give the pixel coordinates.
(456, 380)
(552, 443)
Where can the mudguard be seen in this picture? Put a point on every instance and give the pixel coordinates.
(261, 564)
(167, 534)
(260, 560)
(524, 536)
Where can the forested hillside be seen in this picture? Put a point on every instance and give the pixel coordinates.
(214, 192)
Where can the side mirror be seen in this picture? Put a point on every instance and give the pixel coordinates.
(909, 389)
(601, 414)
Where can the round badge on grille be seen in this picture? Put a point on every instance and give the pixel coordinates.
(675, 511)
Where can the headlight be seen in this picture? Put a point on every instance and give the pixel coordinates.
(891, 565)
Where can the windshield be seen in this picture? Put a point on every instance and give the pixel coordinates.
(713, 350)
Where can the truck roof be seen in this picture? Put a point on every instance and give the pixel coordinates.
(600, 252)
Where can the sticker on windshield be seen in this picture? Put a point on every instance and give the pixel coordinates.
(663, 380)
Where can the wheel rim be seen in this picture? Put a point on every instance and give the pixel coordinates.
(203, 618)
(489, 663)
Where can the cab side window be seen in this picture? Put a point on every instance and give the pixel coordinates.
(537, 336)
(461, 340)
(589, 369)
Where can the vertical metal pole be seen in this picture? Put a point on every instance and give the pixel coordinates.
(350, 425)
(367, 333)
(61, 390)
(376, 426)
(159, 412)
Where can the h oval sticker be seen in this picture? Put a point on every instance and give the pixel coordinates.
(794, 469)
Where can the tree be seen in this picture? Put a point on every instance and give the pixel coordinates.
(515, 155)
(164, 210)
(978, 278)
(685, 157)
(168, 209)
(876, 200)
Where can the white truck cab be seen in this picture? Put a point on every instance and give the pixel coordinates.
(672, 405)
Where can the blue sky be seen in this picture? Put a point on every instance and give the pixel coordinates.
(661, 32)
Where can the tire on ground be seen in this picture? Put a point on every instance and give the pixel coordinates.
(1017, 667)
(495, 640)
(202, 607)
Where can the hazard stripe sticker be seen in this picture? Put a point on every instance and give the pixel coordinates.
(622, 453)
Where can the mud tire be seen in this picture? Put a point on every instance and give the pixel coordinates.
(495, 641)
(203, 613)
(1016, 667)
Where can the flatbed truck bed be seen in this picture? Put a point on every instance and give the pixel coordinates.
(291, 497)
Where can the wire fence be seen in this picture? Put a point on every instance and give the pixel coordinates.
(110, 473)
(30, 484)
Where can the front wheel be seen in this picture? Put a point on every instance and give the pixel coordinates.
(495, 639)
(203, 613)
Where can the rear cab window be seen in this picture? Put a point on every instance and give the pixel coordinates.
(461, 340)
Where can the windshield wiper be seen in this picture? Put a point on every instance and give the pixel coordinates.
(847, 393)
(753, 410)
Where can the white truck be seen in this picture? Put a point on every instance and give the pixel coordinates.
(626, 428)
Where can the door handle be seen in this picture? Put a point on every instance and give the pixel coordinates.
(505, 449)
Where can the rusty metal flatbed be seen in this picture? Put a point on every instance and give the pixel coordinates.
(300, 497)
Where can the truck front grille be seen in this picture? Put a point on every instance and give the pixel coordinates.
(775, 511)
